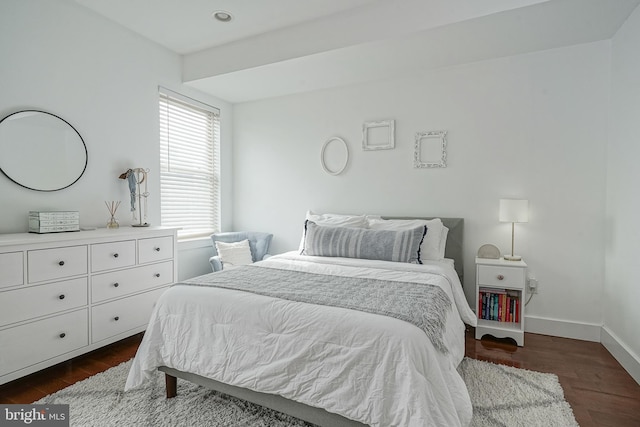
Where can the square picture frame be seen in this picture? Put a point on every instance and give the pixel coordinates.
(430, 150)
(378, 135)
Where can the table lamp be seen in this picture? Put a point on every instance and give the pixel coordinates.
(513, 210)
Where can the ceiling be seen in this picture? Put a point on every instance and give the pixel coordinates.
(279, 47)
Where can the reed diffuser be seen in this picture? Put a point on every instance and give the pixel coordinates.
(112, 207)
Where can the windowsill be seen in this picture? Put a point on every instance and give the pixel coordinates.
(194, 243)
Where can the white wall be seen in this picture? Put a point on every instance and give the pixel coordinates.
(103, 79)
(531, 126)
(621, 311)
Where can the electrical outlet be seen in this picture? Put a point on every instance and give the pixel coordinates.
(533, 285)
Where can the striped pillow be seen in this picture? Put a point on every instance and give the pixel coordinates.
(384, 245)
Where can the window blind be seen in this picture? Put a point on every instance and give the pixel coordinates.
(189, 166)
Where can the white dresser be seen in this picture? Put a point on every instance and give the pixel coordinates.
(65, 294)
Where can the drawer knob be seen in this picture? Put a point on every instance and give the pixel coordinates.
(62, 335)
(115, 285)
(61, 296)
(500, 277)
(157, 274)
(156, 249)
(61, 263)
(116, 318)
(115, 255)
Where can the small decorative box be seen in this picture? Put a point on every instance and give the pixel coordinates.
(53, 221)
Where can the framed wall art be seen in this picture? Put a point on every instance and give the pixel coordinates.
(430, 150)
(378, 135)
(334, 156)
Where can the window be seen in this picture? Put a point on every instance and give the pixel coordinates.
(189, 165)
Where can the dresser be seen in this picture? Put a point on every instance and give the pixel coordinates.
(65, 294)
(500, 298)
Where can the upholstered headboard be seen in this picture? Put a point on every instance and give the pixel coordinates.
(454, 240)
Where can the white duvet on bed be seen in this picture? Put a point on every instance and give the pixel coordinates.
(370, 368)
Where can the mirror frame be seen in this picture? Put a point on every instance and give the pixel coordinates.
(323, 159)
(84, 146)
(390, 142)
(438, 137)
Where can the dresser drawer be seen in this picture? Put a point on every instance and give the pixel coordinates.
(11, 269)
(49, 264)
(36, 301)
(120, 283)
(155, 249)
(107, 256)
(119, 316)
(501, 276)
(35, 342)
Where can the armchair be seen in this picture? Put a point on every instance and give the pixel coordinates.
(258, 243)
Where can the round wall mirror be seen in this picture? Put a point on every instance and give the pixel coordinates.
(334, 156)
(41, 151)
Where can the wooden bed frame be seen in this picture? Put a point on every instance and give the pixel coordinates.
(304, 412)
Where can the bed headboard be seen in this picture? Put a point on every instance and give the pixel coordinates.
(454, 240)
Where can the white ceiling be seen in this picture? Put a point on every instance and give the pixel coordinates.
(278, 47)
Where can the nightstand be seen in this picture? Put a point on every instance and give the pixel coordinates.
(500, 298)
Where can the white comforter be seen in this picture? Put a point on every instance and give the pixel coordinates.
(371, 368)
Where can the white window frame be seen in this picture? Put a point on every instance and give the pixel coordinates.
(189, 179)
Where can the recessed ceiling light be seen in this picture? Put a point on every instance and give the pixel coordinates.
(222, 15)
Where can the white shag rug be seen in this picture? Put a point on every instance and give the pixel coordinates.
(501, 396)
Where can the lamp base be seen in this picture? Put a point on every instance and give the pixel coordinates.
(512, 257)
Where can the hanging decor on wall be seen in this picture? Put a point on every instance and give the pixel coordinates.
(334, 156)
(378, 135)
(430, 150)
(41, 151)
(135, 178)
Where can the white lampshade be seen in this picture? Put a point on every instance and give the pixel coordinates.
(514, 210)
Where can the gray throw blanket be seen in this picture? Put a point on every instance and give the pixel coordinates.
(422, 305)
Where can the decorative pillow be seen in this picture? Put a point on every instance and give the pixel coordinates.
(385, 245)
(234, 254)
(432, 245)
(334, 220)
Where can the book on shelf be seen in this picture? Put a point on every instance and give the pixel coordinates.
(501, 305)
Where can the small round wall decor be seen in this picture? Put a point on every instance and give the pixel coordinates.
(334, 156)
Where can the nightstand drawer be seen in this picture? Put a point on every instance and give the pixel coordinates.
(501, 276)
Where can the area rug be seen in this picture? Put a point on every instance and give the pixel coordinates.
(501, 396)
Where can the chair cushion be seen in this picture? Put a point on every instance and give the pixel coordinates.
(258, 242)
(235, 253)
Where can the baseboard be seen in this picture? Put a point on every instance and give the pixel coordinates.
(629, 361)
(562, 328)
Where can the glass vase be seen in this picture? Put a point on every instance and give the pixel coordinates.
(113, 222)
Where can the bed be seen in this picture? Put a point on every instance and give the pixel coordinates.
(320, 359)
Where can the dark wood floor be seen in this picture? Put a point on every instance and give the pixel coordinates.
(600, 392)
(36, 386)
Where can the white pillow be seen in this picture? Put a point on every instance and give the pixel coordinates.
(432, 245)
(334, 220)
(234, 254)
(443, 241)
(338, 220)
